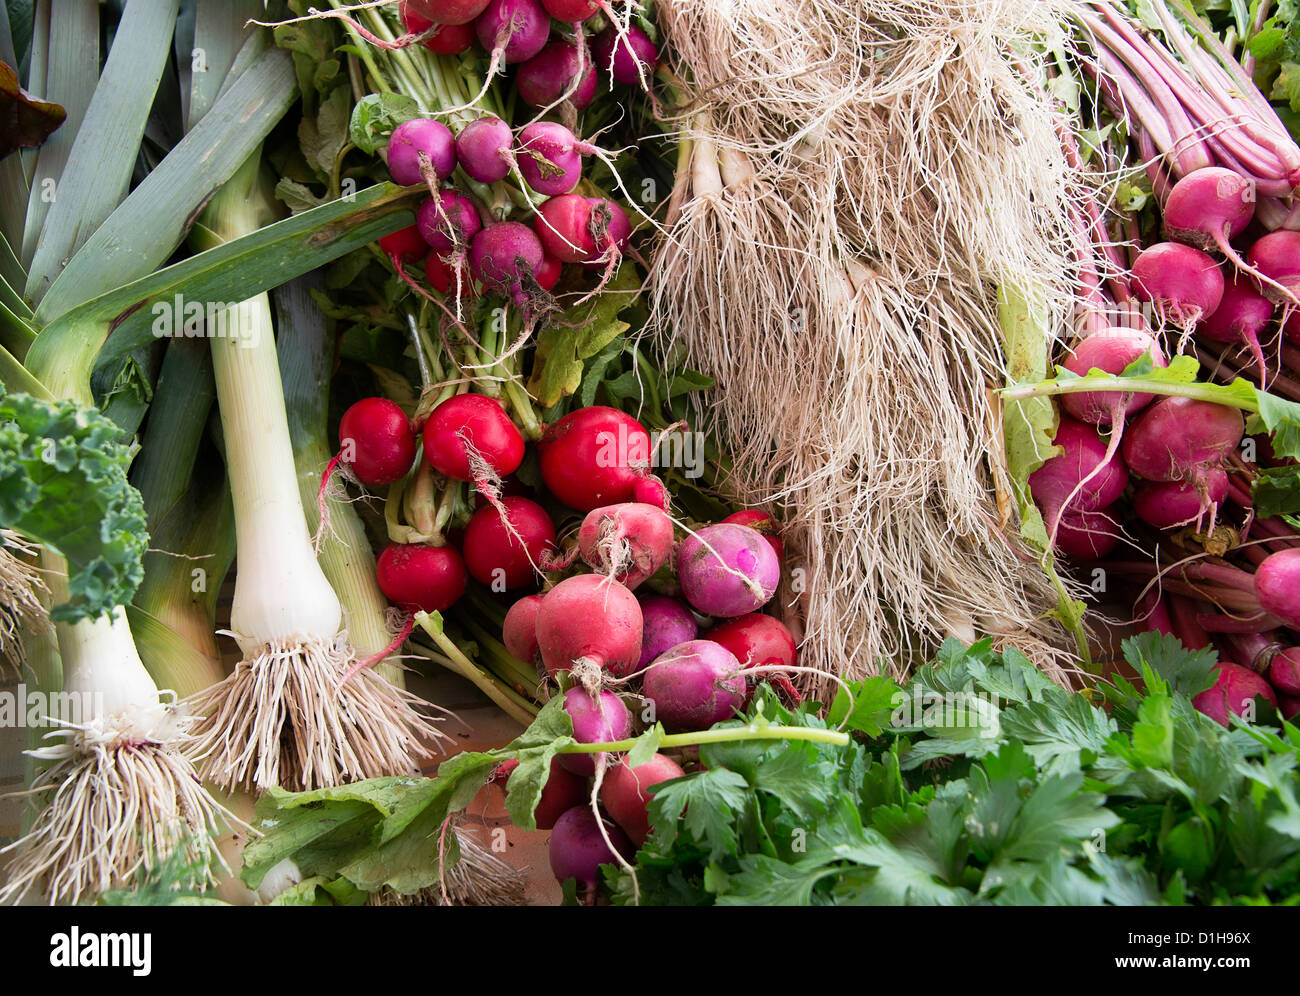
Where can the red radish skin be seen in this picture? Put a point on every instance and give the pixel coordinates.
(1171, 504)
(1182, 283)
(1088, 476)
(1284, 671)
(593, 457)
(512, 30)
(1111, 350)
(1242, 317)
(727, 570)
(448, 223)
(586, 618)
(627, 542)
(759, 520)
(1277, 586)
(625, 793)
(500, 256)
(448, 39)
(1209, 206)
(446, 277)
(666, 623)
(1235, 688)
(597, 719)
(1086, 536)
(416, 137)
(484, 149)
(578, 849)
(519, 630)
(376, 441)
(695, 685)
(404, 245)
(1288, 706)
(562, 226)
(756, 640)
(1277, 256)
(633, 58)
(651, 491)
(548, 158)
(571, 11)
(415, 576)
(447, 11)
(1177, 438)
(504, 558)
(468, 428)
(1292, 328)
(550, 74)
(611, 230)
(1151, 614)
(548, 273)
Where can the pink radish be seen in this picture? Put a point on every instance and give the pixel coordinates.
(1171, 504)
(625, 793)
(504, 258)
(548, 158)
(421, 151)
(590, 623)
(1284, 671)
(1111, 350)
(759, 641)
(627, 542)
(484, 149)
(666, 623)
(502, 551)
(1177, 439)
(1181, 282)
(404, 245)
(1088, 476)
(578, 849)
(1086, 535)
(1277, 585)
(553, 72)
(597, 718)
(1235, 687)
(695, 685)
(1242, 317)
(593, 457)
(727, 570)
(650, 490)
(420, 577)
(579, 229)
(449, 222)
(1277, 257)
(519, 631)
(629, 56)
(376, 441)
(512, 30)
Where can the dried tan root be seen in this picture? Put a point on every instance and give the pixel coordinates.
(21, 590)
(284, 719)
(478, 878)
(112, 807)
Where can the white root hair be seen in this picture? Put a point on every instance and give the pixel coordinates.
(22, 590)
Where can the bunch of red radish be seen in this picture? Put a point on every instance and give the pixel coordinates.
(1176, 461)
(463, 246)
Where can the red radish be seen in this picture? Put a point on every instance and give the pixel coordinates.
(572, 11)
(578, 849)
(597, 719)
(1241, 317)
(1284, 671)
(632, 60)
(1177, 439)
(404, 245)
(1152, 614)
(512, 30)
(504, 557)
(448, 39)
(611, 230)
(1086, 535)
(550, 75)
(1277, 256)
(589, 621)
(548, 158)
(376, 441)
(1111, 350)
(484, 149)
(564, 225)
(759, 520)
(548, 272)
(1087, 477)
(416, 576)
(519, 631)
(415, 142)
(446, 277)
(501, 255)
(448, 223)
(695, 685)
(469, 437)
(666, 623)
(625, 793)
(501, 773)
(1181, 282)
(727, 570)
(563, 790)
(756, 640)
(1277, 585)
(1235, 688)
(1288, 706)
(650, 490)
(594, 457)
(627, 542)
(1170, 504)
(447, 11)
